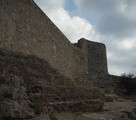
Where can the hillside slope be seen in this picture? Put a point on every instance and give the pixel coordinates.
(29, 86)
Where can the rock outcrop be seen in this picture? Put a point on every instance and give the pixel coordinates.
(29, 86)
(14, 102)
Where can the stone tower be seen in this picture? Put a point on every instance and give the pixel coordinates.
(96, 57)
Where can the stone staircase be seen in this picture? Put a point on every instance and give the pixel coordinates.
(77, 106)
(68, 98)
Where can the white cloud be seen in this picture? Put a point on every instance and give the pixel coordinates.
(74, 27)
(127, 44)
(113, 17)
(48, 6)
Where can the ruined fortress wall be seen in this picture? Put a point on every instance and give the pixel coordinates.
(96, 58)
(25, 28)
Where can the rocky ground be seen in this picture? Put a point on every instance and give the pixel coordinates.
(30, 89)
(119, 109)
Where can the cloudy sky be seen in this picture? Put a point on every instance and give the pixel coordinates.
(112, 22)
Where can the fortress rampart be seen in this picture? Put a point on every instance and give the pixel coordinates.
(25, 28)
(44, 76)
(96, 56)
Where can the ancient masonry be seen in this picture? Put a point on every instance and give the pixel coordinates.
(41, 71)
(26, 29)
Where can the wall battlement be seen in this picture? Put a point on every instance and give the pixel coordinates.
(25, 28)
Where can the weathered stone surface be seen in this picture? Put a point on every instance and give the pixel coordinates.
(111, 97)
(31, 46)
(78, 106)
(28, 30)
(14, 101)
(134, 110)
(130, 114)
(28, 85)
(96, 57)
(17, 110)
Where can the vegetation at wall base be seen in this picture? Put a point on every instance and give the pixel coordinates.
(127, 84)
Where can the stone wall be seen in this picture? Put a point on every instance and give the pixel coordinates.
(95, 57)
(25, 28)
